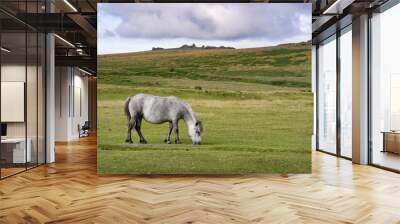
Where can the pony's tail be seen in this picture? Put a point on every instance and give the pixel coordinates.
(126, 109)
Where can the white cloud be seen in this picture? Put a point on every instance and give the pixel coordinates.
(227, 24)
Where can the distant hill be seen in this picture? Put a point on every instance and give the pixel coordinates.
(194, 47)
(304, 43)
(287, 65)
(191, 47)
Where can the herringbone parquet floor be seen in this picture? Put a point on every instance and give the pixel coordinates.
(70, 191)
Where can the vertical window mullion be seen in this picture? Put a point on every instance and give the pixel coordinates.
(37, 90)
(0, 93)
(369, 74)
(45, 87)
(26, 86)
(317, 97)
(338, 76)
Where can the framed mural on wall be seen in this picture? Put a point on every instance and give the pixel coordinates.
(220, 88)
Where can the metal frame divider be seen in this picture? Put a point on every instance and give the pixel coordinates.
(26, 86)
(338, 75)
(37, 95)
(45, 89)
(317, 97)
(0, 93)
(37, 91)
(369, 79)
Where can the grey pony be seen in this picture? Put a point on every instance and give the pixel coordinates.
(157, 110)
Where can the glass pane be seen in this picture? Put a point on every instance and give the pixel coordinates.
(13, 86)
(23, 89)
(386, 89)
(41, 98)
(31, 98)
(327, 96)
(346, 93)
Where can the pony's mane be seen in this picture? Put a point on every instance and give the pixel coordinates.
(189, 110)
(200, 124)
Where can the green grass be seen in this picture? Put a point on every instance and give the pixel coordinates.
(255, 104)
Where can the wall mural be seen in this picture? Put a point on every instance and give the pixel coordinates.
(204, 88)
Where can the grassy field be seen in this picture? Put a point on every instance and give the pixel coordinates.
(256, 106)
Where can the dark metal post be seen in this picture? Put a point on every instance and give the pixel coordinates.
(317, 97)
(338, 73)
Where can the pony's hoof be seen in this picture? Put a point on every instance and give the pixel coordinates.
(143, 141)
(167, 141)
(129, 141)
(178, 142)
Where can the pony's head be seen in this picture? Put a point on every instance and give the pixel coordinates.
(195, 132)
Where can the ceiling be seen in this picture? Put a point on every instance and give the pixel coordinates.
(74, 22)
(209, 1)
(330, 15)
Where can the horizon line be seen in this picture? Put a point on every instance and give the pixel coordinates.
(150, 50)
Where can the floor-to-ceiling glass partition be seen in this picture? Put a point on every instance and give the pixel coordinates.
(385, 89)
(41, 97)
(40, 7)
(22, 88)
(345, 92)
(13, 94)
(327, 95)
(32, 97)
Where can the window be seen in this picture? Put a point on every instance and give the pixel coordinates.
(22, 88)
(327, 95)
(346, 92)
(385, 89)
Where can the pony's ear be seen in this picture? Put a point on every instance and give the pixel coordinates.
(200, 124)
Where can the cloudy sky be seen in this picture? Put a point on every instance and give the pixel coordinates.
(132, 27)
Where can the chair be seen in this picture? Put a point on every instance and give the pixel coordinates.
(84, 130)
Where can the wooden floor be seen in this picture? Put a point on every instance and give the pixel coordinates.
(5, 172)
(387, 159)
(70, 191)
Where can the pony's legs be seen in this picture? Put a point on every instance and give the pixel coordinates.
(175, 126)
(138, 125)
(131, 124)
(168, 137)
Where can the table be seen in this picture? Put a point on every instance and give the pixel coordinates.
(13, 150)
(391, 141)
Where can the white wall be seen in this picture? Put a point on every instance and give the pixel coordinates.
(70, 84)
(33, 126)
(62, 82)
(79, 102)
(14, 73)
(81, 84)
(13, 101)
